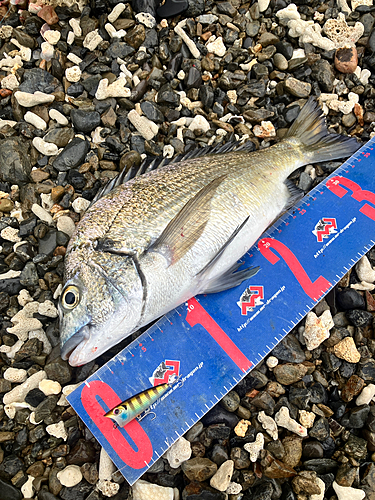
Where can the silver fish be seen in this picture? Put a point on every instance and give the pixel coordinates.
(150, 244)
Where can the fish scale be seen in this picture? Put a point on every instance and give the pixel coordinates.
(212, 342)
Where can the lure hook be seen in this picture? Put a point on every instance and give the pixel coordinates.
(145, 413)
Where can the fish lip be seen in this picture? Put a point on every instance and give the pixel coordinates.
(67, 350)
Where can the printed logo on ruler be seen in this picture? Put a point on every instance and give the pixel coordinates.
(164, 371)
(253, 296)
(324, 228)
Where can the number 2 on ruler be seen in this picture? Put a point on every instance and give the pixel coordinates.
(314, 289)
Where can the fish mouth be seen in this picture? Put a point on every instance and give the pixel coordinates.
(67, 350)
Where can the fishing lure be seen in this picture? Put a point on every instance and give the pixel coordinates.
(133, 407)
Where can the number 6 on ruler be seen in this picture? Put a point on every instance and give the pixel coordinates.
(313, 289)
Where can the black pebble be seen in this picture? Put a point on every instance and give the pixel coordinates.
(35, 397)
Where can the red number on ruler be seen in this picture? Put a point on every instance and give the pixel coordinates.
(198, 315)
(359, 194)
(134, 459)
(313, 289)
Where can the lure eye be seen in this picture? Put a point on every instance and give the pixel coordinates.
(116, 411)
(70, 297)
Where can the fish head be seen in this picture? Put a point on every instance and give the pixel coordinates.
(119, 414)
(98, 309)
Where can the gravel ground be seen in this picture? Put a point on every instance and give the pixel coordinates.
(88, 91)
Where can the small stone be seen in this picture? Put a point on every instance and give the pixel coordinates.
(48, 14)
(58, 117)
(347, 350)
(348, 493)
(306, 418)
(217, 47)
(290, 373)
(18, 393)
(199, 122)
(49, 387)
(366, 395)
(73, 74)
(293, 450)
(58, 431)
(35, 120)
(46, 148)
(265, 130)
(142, 490)
(350, 299)
(306, 482)
(241, 428)
(27, 489)
(280, 62)
(199, 469)
(66, 225)
(178, 453)
(10, 234)
(346, 59)
(222, 477)
(80, 205)
(317, 329)
(70, 476)
(231, 401)
(297, 88)
(352, 388)
(364, 271)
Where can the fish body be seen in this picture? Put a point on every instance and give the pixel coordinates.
(154, 242)
(132, 407)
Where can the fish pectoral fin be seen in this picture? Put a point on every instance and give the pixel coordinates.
(184, 230)
(116, 247)
(295, 194)
(230, 279)
(216, 257)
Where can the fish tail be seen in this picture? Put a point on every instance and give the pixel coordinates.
(310, 129)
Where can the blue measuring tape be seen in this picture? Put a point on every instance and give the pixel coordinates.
(213, 341)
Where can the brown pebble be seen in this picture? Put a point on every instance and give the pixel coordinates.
(57, 193)
(6, 205)
(346, 59)
(39, 175)
(352, 388)
(59, 251)
(358, 111)
(48, 14)
(347, 350)
(5, 93)
(370, 301)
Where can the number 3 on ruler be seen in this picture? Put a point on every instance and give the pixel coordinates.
(358, 193)
(313, 289)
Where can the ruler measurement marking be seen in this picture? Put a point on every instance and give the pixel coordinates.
(289, 217)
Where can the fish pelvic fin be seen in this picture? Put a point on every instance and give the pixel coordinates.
(185, 229)
(310, 129)
(230, 278)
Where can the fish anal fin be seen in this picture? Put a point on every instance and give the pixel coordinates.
(230, 279)
(184, 230)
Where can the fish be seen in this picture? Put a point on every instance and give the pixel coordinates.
(132, 407)
(149, 244)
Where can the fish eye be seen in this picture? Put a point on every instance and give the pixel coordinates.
(70, 297)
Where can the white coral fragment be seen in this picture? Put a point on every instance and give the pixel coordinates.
(283, 419)
(269, 425)
(178, 453)
(254, 448)
(364, 270)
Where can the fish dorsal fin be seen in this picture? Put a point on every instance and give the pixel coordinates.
(187, 226)
(150, 164)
